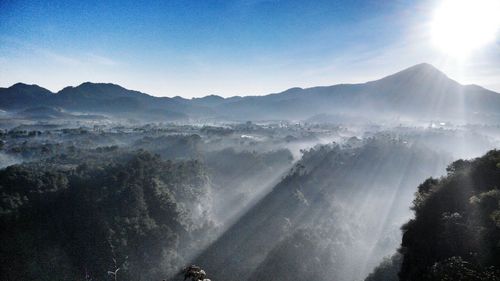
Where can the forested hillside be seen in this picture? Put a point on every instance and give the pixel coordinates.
(133, 212)
(456, 231)
(336, 213)
(455, 234)
(80, 205)
(243, 201)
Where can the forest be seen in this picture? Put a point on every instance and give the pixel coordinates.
(249, 201)
(455, 232)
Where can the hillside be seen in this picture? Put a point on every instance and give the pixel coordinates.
(335, 214)
(456, 230)
(79, 220)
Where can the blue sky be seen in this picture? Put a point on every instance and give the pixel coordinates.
(240, 47)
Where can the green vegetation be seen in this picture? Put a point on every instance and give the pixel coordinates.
(387, 270)
(317, 224)
(132, 212)
(455, 234)
(87, 201)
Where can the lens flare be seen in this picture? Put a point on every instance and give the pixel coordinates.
(461, 26)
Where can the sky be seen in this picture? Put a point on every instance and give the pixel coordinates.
(226, 47)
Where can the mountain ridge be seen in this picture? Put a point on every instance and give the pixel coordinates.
(411, 68)
(420, 91)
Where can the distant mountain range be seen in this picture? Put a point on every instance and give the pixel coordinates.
(420, 92)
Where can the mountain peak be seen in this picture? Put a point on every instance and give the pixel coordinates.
(31, 89)
(86, 86)
(92, 85)
(19, 85)
(423, 67)
(209, 97)
(420, 73)
(101, 90)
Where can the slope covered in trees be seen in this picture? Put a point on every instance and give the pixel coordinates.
(76, 209)
(387, 270)
(132, 211)
(148, 200)
(456, 231)
(336, 213)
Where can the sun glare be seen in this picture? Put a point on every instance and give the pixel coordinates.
(461, 26)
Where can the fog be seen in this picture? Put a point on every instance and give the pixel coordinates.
(248, 201)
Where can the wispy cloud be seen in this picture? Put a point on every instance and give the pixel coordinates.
(101, 60)
(77, 58)
(59, 58)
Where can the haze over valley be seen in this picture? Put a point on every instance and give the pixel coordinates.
(248, 187)
(385, 178)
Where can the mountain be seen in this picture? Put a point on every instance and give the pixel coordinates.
(115, 100)
(20, 95)
(419, 92)
(97, 98)
(208, 100)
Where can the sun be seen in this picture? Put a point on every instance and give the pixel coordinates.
(460, 27)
